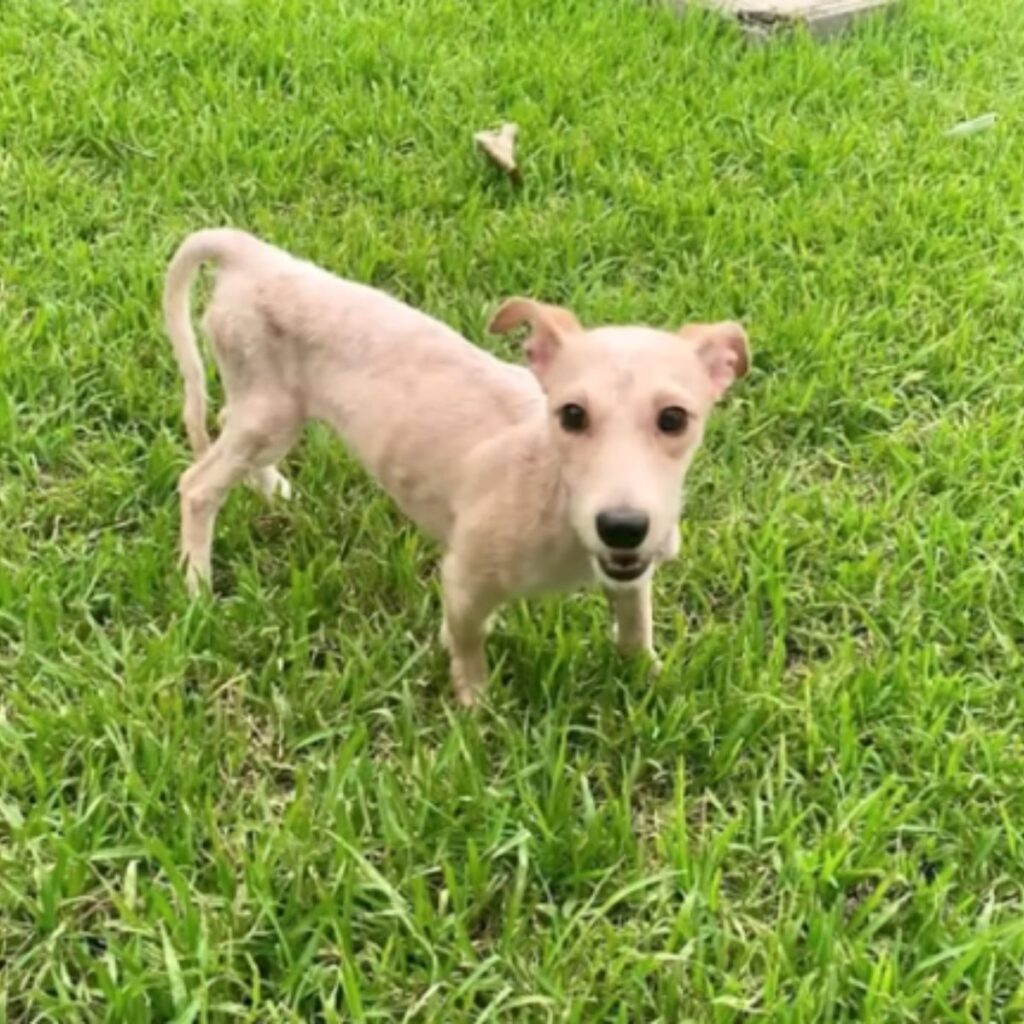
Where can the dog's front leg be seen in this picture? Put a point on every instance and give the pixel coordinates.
(467, 607)
(634, 625)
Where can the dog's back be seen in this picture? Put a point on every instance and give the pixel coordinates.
(410, 396)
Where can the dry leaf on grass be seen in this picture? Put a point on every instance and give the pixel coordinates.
(500, 147)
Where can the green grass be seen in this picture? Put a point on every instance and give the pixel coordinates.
(266, 807)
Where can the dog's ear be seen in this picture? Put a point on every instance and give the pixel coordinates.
(723, 349)
(548, 326)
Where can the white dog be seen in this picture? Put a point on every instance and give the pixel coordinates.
(531, 481)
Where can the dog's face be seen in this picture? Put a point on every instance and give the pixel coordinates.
(627, 410)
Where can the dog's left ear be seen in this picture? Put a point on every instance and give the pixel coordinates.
(549, 325)
(723, 349)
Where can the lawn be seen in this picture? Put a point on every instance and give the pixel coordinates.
(266, 806)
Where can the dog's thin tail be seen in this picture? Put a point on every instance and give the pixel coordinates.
(218, 245)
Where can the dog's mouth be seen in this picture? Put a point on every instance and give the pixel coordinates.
(623, 568)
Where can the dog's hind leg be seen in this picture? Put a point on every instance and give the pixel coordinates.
(252, 440)
(268, 480)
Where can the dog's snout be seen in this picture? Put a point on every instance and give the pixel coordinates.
(622, 528)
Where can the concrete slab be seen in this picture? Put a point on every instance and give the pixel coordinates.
(822, 17)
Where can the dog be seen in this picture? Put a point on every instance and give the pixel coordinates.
(565, 472)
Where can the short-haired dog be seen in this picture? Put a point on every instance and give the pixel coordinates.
(564, 473)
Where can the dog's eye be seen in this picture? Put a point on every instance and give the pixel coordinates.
(573, 418)
(672, 420)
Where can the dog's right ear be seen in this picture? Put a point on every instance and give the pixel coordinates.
(548, 327)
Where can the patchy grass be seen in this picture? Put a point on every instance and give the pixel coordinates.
(265, 807)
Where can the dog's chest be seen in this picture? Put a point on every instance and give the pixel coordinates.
(560, 566)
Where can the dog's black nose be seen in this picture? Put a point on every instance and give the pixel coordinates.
(622, 528)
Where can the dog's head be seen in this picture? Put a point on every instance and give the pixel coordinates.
(627, 411)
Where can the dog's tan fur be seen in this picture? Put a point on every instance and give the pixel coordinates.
(470, 447)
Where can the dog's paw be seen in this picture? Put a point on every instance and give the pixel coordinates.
(282, 488)
(468, 682)
(196, 579)
(638, 650)
(467, 696)
(271, 484)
